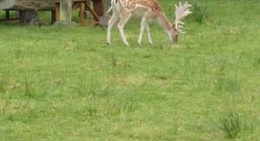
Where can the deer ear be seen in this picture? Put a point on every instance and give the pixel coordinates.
(174, 25)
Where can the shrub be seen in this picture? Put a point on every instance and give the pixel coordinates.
(199, 12)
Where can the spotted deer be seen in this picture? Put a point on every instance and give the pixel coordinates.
(147, 9)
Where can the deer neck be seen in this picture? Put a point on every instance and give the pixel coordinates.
(166, 24)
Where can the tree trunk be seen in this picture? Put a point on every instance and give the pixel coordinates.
(29, 17)
(65, 10)
(65, 13)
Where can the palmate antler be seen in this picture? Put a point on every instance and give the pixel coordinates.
(182, 10)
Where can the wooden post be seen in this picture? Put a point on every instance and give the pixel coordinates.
(57, 9)
(82, 15)
(93, 13)
(98, 6)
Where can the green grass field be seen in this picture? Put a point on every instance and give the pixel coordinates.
(66, 84)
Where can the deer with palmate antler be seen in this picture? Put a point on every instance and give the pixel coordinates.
(148, 9)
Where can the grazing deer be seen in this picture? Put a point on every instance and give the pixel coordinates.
(148, 9)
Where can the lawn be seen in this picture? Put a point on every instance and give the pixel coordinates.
(66, 84)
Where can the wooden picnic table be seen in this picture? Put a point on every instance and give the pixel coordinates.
(97, 10)
(53, 6)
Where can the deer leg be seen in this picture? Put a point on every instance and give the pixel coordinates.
(143, 26)
(148, 34)
(121, 26)
(111, 23)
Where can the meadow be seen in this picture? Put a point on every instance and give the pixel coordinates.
(62, 83)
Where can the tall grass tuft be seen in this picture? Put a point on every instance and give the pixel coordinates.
(91, 91)
(231, 124)
(234, 125)
(28, 89)
(2, 85)
(227, 83)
